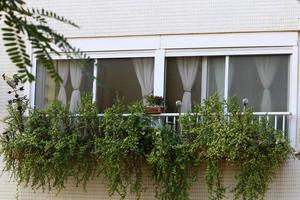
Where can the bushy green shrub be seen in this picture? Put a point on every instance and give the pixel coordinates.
(53, 145)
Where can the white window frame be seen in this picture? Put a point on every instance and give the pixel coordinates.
(292, 79)
(204, 45)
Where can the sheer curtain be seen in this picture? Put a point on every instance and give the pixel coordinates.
(230, 76)
(144, 69)
(187, 67)
(219, 73)
(63, 71)
(266, 67)
(76, 77)
(41, 86)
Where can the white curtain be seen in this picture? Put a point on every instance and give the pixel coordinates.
(187, 67)
(63, 71)
(41, 86)
(76, 77)
(144, 69)
(230, 76)
(266, 67)
(219, 71)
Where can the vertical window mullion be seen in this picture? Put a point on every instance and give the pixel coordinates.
(204, 87)
(95, 78)
(32, 84)
(226, 78)
(159, 73)
(292, 96)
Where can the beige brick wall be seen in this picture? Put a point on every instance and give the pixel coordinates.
(285, 187)
(7, 189)
(148, 17)
(5, 67)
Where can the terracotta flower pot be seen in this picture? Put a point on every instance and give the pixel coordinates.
(153, 110)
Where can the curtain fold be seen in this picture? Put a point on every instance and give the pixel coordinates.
(41, 86)
(187, 67)
(266, 67)
(144, 69)
(63, 71)
(230, 77)
(76, 77)
(219, 71)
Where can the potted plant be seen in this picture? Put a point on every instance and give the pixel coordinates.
(154, 104)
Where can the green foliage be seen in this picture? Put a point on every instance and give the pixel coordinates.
(236, 137)
(24, 24)
(171, 161)
(122, 149)
(53, 145)
(155, 100)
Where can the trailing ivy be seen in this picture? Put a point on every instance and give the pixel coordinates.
(239, 138)
(52, 145)
(122, 149)
(171, 160)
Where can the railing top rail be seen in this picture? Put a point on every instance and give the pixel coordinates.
(272, 113)
(152, 115)
(178, 114)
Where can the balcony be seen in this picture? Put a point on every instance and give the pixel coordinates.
(60, 144)
(279, 120)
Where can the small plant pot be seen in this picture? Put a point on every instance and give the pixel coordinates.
(153, 110)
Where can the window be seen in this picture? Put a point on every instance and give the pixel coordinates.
(129, 79)
(77, 78)
(183, 83)
(262, 79)
(216, 75)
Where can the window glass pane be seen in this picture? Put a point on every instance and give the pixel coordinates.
(263, 80)
(216, 75)
(77, 78)
(128, 78)
(183, 82)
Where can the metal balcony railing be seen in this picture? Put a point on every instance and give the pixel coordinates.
(279, 120)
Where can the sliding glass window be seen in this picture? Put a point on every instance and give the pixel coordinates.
(77, 80)
(130, 79)
(263, 80)
(183, 82)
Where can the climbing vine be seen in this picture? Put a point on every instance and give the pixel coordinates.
(52, 145)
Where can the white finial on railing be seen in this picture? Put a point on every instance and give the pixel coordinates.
(178, 105)
(245, 103)
(297, 152)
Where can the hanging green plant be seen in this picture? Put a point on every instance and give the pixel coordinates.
(51, 146)
(122, 149)
(172, 162)
(238, 138)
